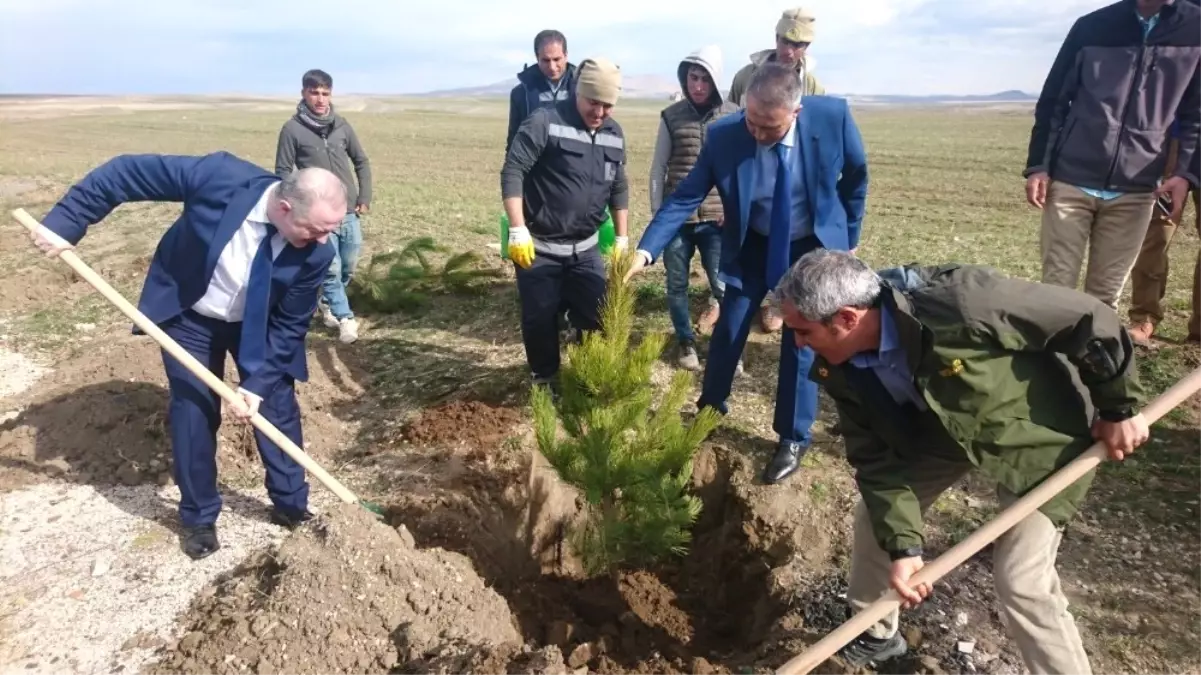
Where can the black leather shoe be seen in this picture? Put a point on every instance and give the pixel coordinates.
(786, 461)
(200, 541)
(290, 519)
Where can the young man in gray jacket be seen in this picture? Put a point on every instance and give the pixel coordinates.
(682, 128)
(317, 136)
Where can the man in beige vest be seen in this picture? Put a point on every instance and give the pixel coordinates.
(682, 127)
(794, 32)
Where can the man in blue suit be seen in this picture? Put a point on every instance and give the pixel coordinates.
(238, 272)
(792, 178)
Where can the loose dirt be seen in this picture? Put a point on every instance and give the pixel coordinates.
(346, 594)
(473, 423)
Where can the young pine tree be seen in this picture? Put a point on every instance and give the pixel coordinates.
(633, 465)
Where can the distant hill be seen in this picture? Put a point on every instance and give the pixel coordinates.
(658, 87)
(1011, 96)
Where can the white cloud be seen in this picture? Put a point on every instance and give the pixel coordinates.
(400, 45)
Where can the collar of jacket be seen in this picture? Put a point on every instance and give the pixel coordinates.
(1169, 8)
(914, 338)
(910, 332)
(532, 75)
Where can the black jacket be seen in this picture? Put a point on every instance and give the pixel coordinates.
(1103, 118)
(566, 174)
(532, 92)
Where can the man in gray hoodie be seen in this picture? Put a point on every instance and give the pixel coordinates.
(317, 136)
(682, 127)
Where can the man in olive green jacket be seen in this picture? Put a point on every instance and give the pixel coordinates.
(936, 371)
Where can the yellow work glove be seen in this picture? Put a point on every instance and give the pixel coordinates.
(620, 244)
(521, 247)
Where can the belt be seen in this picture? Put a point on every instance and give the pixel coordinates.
(571, 248)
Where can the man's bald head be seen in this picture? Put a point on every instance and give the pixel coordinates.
(305, 187)
(309, 204)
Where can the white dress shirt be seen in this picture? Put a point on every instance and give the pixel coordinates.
(226, 295)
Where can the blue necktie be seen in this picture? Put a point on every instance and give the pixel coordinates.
(253, 347)
(779, 240)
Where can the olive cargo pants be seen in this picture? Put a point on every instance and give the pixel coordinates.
(1027, 585)
(1149, 280)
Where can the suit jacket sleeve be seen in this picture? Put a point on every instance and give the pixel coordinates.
(852, 184)
(122, 179)
(685, 199)
(287, 325)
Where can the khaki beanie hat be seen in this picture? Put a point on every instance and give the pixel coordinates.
(796, 25)
(599, 79)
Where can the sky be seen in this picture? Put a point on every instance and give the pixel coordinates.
(917, 47)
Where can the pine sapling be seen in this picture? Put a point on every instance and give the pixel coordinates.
(633, 465)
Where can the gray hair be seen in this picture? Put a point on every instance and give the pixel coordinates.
(824, 281)
(305, 187)
(775, 85)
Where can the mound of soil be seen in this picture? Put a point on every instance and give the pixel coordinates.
(345, 594)
(101, 418)
(461, 422)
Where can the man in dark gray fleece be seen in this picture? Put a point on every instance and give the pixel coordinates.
(1099, 145)
(317, 136)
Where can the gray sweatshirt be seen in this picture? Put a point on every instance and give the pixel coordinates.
(338, 150)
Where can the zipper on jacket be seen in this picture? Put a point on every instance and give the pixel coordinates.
(1138, 78)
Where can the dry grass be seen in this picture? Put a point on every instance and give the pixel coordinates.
(945, 186)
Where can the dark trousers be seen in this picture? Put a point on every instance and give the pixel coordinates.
(574, 282)
(796, 394)
(196, 414)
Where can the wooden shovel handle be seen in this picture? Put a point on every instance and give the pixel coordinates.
(172, 347)
(942, 565)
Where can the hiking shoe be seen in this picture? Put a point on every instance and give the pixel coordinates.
(348, 330)
(706, 322)
(739, 371)
(328, 318)
(688, 358)
(1140, 333)
(866, 649)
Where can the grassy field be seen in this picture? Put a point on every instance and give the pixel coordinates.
(945, 186)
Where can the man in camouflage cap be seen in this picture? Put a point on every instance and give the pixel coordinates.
(794, 32)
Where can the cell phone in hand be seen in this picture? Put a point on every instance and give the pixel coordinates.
(1164, 202)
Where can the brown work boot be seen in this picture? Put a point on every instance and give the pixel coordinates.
(769, 319)
(1141, 331)
(705, 324)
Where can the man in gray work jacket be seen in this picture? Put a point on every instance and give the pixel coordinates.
(316, 136)
(565, 165)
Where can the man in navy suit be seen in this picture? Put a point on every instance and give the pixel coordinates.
(238, 272)
(792, 178)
